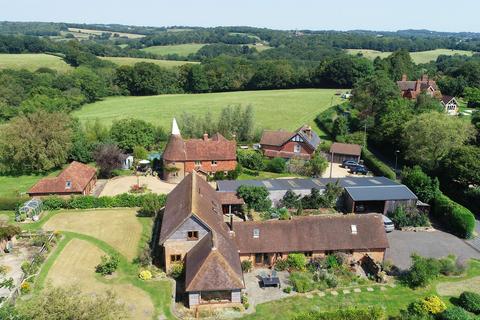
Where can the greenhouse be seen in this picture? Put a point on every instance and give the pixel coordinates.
(30, 209)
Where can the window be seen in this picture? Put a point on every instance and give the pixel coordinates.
(297, 148)
(68, 184)
(192, 235)
(214, 162)
(256, 233)
(354, 229)
(308, 254)
(175, 257)
(198, 163)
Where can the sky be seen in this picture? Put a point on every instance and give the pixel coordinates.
(380, 15)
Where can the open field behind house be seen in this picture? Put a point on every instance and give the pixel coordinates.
(274, 109)
(120, 228)
(418, 57)
(99, 32)
(127, 61)
(32, 61)
(180, 49)
(14, 185)
(76, 266)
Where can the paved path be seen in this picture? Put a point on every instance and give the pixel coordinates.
(475, 242)
(435, 244)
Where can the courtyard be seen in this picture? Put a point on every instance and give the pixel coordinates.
(119, 185)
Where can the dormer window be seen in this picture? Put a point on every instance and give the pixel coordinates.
(354, 228)
(256, 233)
(68, 184)
(198, 163)
(192, 235)
(214, 162)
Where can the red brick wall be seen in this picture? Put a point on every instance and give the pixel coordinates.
(207, 166)
(290, 147)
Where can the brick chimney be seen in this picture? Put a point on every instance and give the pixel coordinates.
(404, 77)
(308, 131)
(205, 136)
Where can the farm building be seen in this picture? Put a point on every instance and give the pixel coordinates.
(76, 179)
(283, 144)
(205, 156)
(374, 194)
(345, 151)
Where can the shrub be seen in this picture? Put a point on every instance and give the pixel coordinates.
(332, 262)
(454, 313)
(8, 231)
(449, 266)
(348, 313)
(25, 287)
(296, 261)
(470, 301)
(302, 281)
(245, 301)
(376, 166)
(457, 218)
(290, 200)
(277, 165)
(108, 265)
(433, 305)
(151, 205)
(281, 265)
(176, 271)
(145, 275)
(251, 159)
(255, 197)
(403, 217)
(422, 271)
(420, 183)
(287, 289)
(246, 265)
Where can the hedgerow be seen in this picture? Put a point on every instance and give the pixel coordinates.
(456, 217)
(376, 166)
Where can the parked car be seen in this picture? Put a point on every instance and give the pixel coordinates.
(389, 225)
(349, 163)
(359, 169)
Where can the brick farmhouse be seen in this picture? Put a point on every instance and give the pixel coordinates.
(284, 144)
(76, 179)
(194, 233)
(205, 156)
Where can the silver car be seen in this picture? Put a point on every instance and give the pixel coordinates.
(389, 226)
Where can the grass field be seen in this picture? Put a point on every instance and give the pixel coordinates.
(99, 32)
(180, 49)
(126, 61)
(418, 57)
(119, 228)
(14, 185)
(274, 109)
(33, 61)
(76, 266)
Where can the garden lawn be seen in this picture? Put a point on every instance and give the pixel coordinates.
(392, 299)
(126, 61)
(120, 228)
(418, 57)
(274, 109)
(250, 175)
(180, 49)
(33, 61)
(76, 266)
(14, 185)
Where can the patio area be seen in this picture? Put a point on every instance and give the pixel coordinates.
(259, 294)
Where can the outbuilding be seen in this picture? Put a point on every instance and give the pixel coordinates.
(345, 151)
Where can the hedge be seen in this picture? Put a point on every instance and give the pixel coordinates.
(376, 166)
(470, 301)
(456, 217)
(349, 313)
(90, 202)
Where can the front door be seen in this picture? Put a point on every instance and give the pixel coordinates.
(261, 259)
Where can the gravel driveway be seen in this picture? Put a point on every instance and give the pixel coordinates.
(433, 244)
(119, 185)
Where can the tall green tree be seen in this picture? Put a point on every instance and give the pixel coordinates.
(129, 133)
(462, 165)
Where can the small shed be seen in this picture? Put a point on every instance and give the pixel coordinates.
(30, 209)
(345, 151)
(127, 161)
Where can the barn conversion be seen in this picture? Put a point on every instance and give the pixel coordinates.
(362, 194)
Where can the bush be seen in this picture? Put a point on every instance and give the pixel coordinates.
(332, 262)
(422, 271)
(287, 289)
(281, 265)
(296, 261)
(25, 287)
(176, 271)
(454, 313)
(376, 166)
(145, 275)
(457, 218)
(470, 301)
(255, 197)
(433, 305)
(246, 265)
(8, 231)
(251, 160)
(245, 301)
(420, 183)
(302, 281)
(277, 165)
(403, 217)
(108, 265)
(348, 313)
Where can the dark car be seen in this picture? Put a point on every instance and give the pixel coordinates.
(359, 170)
(349, 163)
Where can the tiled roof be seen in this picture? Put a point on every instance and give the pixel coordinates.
(446, 99)
(275, 138)
(230, 198)
(77, 174)
(346, 148)
(216, 148)
(313, 233)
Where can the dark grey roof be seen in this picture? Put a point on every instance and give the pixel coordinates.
(376, 193)
(313, 140)
(303, 184)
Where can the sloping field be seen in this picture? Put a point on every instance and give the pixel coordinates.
(119, 228)
(274, 109)
(418, 57)
(126, 61)
(76, 266)
(180, 49)
(32, 61)
(99, 32)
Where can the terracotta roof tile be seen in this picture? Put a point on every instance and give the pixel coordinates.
(346, 148)
(216, 148)
(275, 138)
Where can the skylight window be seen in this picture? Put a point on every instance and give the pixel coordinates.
(267, 184)
(374, 181)
(292, 183)
(350, 182)
(354, 228)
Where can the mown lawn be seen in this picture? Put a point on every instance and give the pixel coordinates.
(418, 57)
(180, 49)
(274, 109)
(33, 61)
(126, 61)
(392, 299)
(14, 185)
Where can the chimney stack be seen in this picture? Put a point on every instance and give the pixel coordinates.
(231, 232)
(404, 77)
(205, 136)
(308, 130)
